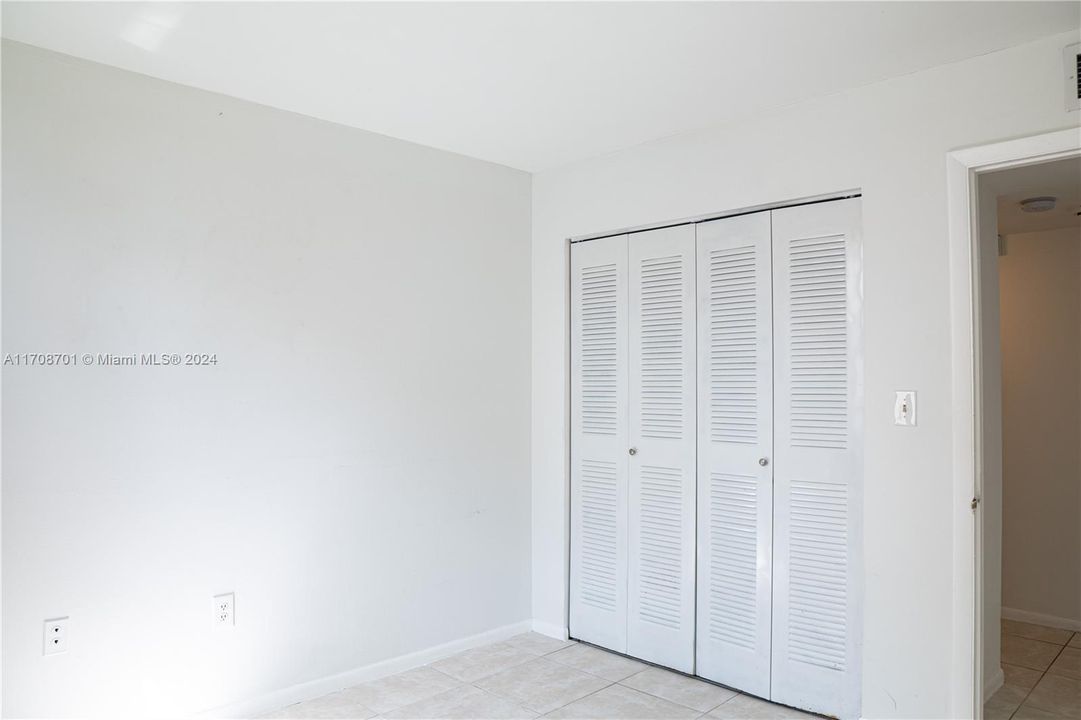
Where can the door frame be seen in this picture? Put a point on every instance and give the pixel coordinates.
(963, 169)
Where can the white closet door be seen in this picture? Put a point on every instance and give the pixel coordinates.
(660, 612)
(735, 433)
(817, 582)
(599, 441)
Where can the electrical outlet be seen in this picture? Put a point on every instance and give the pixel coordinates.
(56, 638)
(224, 610)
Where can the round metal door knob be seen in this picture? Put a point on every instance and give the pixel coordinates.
(633, 451)
(763, 461)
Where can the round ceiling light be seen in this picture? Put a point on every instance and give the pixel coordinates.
(1038, 204)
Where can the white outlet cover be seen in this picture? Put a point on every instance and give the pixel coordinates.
(224, 610)
(56, 637)
(904, 408)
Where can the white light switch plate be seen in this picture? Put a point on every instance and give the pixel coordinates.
(904, 408)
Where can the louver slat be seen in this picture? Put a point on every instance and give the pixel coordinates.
(733, 345)
(599, 435)
(818, 540)
(818, 348)
(735, 502)
(660, 611)
(662, 361)
(733, 559)
(600, 507)
(817, 486)
(818, 568)
(660, 558)
(598, 349)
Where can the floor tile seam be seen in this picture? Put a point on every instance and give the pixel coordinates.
(1043, 674)
(590, 694)
(522, 704)
(1048, 670)
(1045, 642)
(623, 683)
(588, 672)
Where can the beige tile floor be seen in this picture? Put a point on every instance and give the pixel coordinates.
(1043, 674)
(530, 676)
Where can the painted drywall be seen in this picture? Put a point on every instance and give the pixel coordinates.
(890, 140)
(1041, 389)
(355, 467)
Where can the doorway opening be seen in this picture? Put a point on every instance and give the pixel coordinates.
(1028, 277)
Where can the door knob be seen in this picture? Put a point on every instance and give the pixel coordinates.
(763, 461)
(633, 451)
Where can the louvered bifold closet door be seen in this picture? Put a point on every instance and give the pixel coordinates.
(735, 436)
(660, 612)
(599, 441)
(818, 466)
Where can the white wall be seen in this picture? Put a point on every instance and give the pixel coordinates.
(355, 468)
(889, 139)
(1041, 387)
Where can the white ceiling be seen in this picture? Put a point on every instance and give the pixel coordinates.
(530, 85)
(1060, 179)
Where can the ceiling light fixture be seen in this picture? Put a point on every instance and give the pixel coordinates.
(1039, 204)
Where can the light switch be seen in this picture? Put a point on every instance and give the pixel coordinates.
(904, 408)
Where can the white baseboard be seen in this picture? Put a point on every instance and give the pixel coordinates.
(321, 686)
(1041, 619)
(994, 683)
(555, 631)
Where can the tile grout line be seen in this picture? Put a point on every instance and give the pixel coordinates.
(736, 693)
(474, 684)
(613, 682)
(459, 682)
(610, 684)
(1043, 673)
(521, 704)
(725, 701)
(534, 655)
(648, 665)
(622, 682)
(515, 701)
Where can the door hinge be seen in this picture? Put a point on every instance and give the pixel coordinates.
(975, 503)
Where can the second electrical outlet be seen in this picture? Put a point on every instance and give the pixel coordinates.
(225, 610)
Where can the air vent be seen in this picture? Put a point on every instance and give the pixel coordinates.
(1071, 60)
